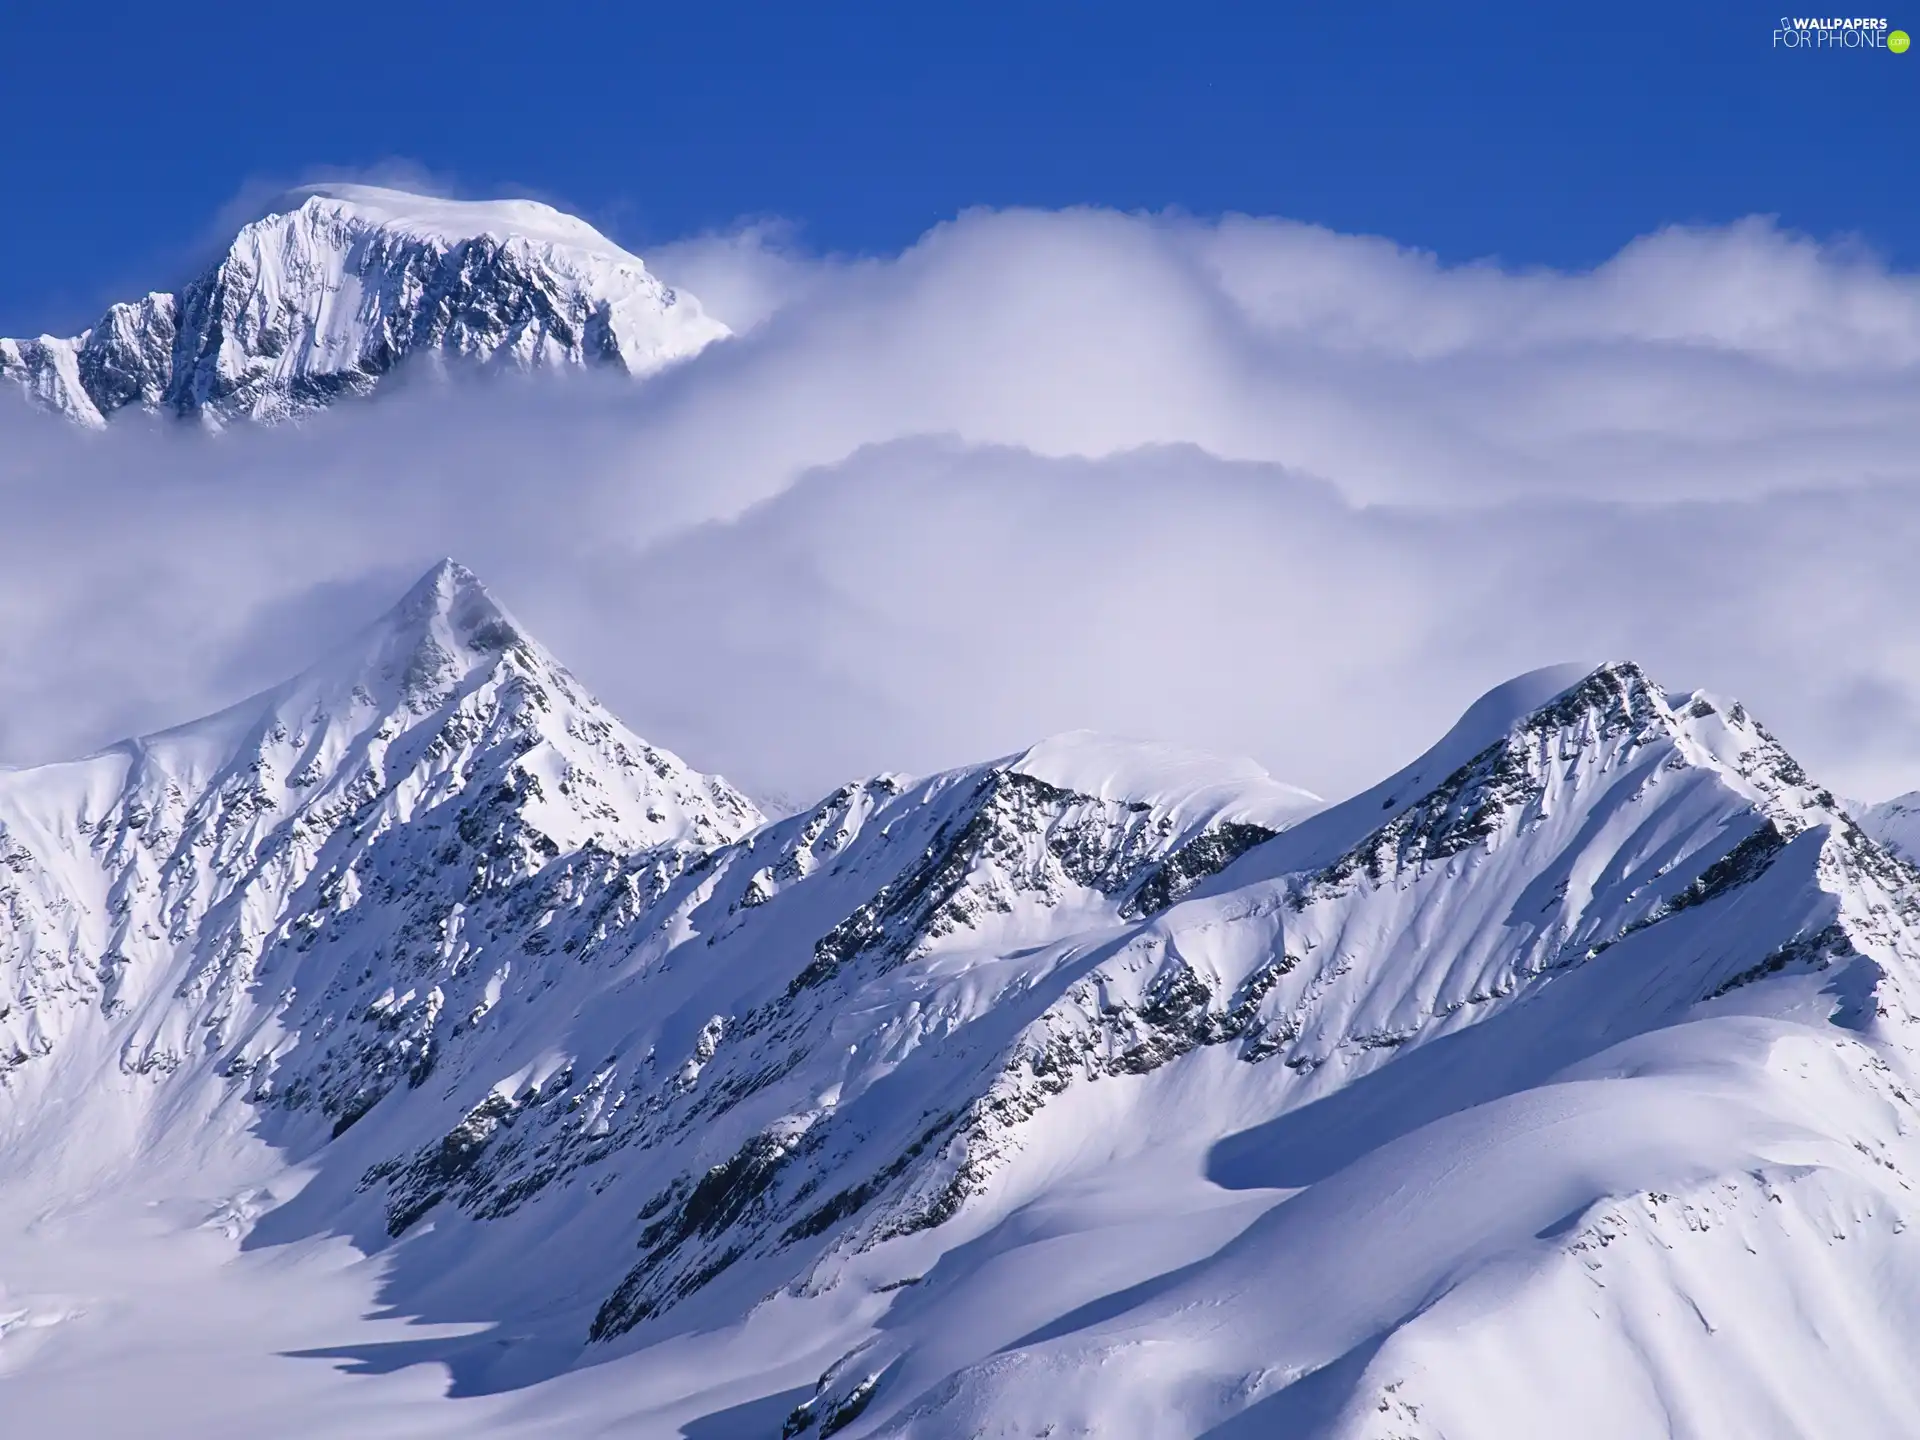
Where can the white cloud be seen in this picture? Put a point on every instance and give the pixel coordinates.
(1374, 486)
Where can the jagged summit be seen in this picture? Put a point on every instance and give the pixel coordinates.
(453, 594)
(1507, 744)
(341, 284)
(444, 627)
(448, 667)
(446, 631)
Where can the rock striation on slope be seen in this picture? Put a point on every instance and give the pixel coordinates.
(976, 1095)
(343, 284)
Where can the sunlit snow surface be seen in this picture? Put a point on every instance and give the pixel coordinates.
(412, 1050)
(339, 285)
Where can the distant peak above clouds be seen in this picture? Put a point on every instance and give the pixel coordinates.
(339, 284)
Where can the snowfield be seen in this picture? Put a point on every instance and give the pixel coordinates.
(412, 1050)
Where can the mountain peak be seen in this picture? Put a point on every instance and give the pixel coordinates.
(448, 673)
(340, 284)
(450, 600)
(445, 630)
(1502, 751)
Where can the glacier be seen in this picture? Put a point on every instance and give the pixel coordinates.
(412, 1049)
(339, 286)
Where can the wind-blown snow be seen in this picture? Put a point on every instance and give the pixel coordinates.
(1172, 775)
(1563, 1083)
(432, 217)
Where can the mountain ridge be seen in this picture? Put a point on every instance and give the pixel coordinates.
(969, 1092)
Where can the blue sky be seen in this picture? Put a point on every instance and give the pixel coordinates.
(1539, 134)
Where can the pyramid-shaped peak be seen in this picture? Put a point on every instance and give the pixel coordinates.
(445, 630)
(445, 585)
(448, 673)
(450, 602)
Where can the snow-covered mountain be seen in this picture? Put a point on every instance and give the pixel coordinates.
(1562, 1083)
(1894, 823)
(339, 285)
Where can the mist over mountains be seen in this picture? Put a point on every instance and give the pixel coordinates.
(413, 1048)
(948, 1095)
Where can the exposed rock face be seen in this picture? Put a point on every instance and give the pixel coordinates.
(329, 295)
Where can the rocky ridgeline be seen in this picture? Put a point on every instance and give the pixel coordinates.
(449, 932)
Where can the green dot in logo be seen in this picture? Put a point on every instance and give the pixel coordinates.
(1897, 42)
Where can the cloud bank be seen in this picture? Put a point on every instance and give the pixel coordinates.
(1242, 483)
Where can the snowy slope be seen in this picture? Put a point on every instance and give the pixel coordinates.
(341, 284)
(1395, 1012)
(439, 762)
(1563, 1083)
(1894, 823)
